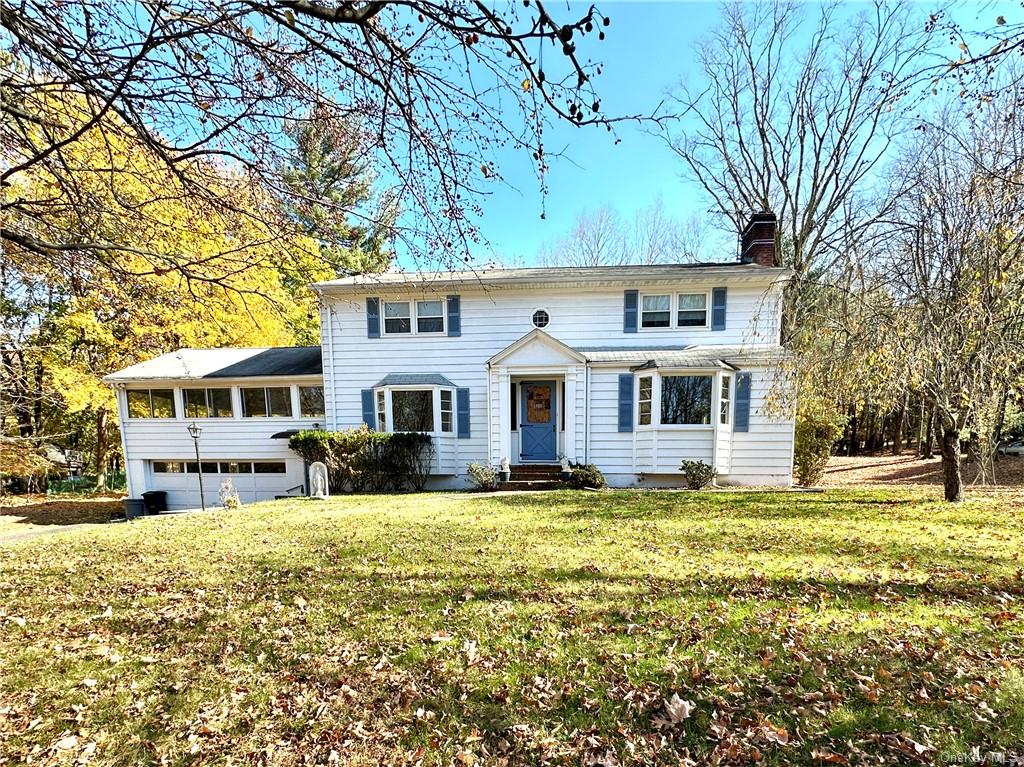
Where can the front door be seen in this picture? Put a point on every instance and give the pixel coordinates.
(538, 426)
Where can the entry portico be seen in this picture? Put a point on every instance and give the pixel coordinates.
(537, 387)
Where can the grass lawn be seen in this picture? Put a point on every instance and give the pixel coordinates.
(871, 627)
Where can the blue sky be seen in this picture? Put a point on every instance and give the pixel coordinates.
(649, 48)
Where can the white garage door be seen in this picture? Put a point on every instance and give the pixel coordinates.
(253, 480)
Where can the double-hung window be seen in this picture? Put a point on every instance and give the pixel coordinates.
(267, 402)
(686, 399)
(407, 317)
(725, 400)
(412, 410)
(150, 403)
(656, 311)
(692, 310)
(644, 401)
(207, 403)
(447, 411)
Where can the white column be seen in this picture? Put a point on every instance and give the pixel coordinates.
(504, 441)
(571, 413)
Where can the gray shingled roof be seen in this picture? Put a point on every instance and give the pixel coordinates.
(414, 379)
(687, 356)
(497, 278)
(190, 364)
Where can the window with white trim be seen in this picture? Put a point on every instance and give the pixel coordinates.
(447, 411)
(397, 317)
(686, 400)
(644, 400)
(430, 316)
(724, 401)
(207, 403)
(266, 402)
(692, 310)
(656, 311)
(311, 401)
(382, 410)
(412, 410)
(150, 403)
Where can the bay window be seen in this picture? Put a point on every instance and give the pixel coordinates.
(646, 395)
(446, 410)
(686, 399)
(724, 401)
(412, 410)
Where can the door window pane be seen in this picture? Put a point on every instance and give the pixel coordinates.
(280, 399)
(429, 317)
(311, 400)
(163, 402)
(656, 312)
(396, 317)
(538, 404)
(412, 410)
(138, 404)
(686, 399)
(693, 310)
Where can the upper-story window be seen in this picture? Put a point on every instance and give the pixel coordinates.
(692, 310)
(401, 317)
(689, 310)
(151, 403)
(656, 311)
(267, 402)
(207, 403)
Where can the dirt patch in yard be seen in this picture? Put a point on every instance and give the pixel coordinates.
(908, 469)
(41, 510)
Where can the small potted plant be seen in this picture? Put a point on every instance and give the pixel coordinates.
(504, 470)
(566, 468)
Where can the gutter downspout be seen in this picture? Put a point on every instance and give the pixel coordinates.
(586, 411)
(490, 415)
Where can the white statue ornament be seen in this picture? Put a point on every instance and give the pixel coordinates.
(318, 487)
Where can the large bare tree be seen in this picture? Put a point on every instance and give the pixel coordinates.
(799, 124)
(436, 88)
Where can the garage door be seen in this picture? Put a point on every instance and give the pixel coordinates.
(254, 480)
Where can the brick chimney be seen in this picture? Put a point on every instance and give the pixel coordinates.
(757, 241)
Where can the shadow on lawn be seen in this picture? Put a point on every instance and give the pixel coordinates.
(64, 512)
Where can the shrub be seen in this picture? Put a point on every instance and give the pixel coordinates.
(816, 433)
(586, 475)
(698, 474)
(359, 459)
(483, 477)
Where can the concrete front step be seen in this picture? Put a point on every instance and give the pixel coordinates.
(531, 484)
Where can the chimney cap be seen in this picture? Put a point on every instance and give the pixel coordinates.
(761, 217)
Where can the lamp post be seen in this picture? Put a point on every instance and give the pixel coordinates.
(194, 431)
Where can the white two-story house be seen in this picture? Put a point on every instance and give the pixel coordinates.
(631, 368)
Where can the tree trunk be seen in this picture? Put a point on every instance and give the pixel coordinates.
(997, 433)
(929, 442)
(852, 445)
(101, 449)
(900, 426)
(952, 481)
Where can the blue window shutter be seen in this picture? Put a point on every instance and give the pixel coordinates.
(454, 316)
(369, 414)
(462, 412)
(625, 402)
(373, 318)
(631, 303)
(741, 410)
(718, 308)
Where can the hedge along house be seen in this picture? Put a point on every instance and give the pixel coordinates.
(631, 368)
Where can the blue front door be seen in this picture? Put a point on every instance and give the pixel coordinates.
(537, 423)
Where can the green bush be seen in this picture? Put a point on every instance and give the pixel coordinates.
(586, 475)
(698, 474)
(816, 433)
(483, 477)
(359, 459)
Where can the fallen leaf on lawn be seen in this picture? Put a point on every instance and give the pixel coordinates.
(441, 636)
(66, 743)
(828, 757)
(678, 709)
(17, 619)
(89, 682)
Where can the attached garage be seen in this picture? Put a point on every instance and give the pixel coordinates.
(254, 480)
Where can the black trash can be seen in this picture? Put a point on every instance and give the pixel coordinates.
(134, 507)
(155, 500)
